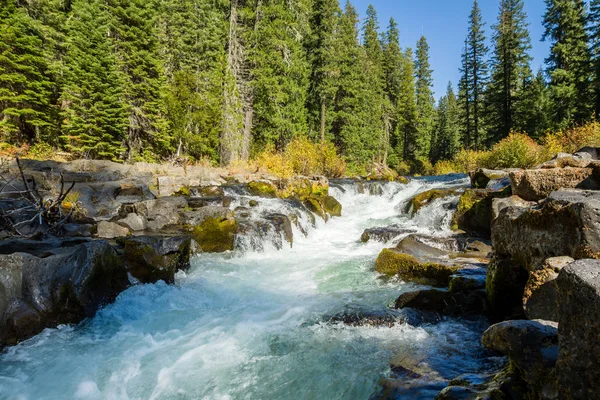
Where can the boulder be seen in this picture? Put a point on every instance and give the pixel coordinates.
(566, 224)
(463, 303)
(475, 212)
(578, 365)
(481, 177)
(153, 258)
(59, 288)
(323, 206)
(196, 217)
(383, 234)
(565, 160)
(422, 199)
(134, 222)
(263, 189)
(391, 262)
(160, 213)
(540, 297)
(536, 184)
(282, 226)
(111, 230)
(532, 346)
(504, 286)
(500, 203)
(588, 152)
(215, 235)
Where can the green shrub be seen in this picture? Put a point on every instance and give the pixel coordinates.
(516, 151)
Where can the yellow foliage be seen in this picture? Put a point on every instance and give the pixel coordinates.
(302, 157)
(516, 151)
(571, 140)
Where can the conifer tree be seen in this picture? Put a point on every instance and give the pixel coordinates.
(25, 82)
(425, 100)
(474, 73)
(406, 130)
(511, 71)
(192, 47)
(392, 66)
(324, 65)
(136, 44)
(351, 131)
(447, 137)
(280, 71)
(535, 108)
(569, 66)
(594, 23)
(94, 115)
(375, 78)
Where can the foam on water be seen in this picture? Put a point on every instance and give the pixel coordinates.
(249, 325)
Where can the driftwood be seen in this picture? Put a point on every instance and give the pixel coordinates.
(46, 211)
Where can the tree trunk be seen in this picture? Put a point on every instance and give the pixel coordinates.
(322, 121)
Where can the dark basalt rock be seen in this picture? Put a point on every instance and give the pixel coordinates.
(65, 287)
(475, 211)
(383, 234)
(153, 258)
(578, 365)
(462, 303)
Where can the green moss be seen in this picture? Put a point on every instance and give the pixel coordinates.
(407, 267)
(422, 199)
(314, 204)
(263, 189)
(402, 179)
(184, 191)
(319, 189)
(215, 235)
(332, 206)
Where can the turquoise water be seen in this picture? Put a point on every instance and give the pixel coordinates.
(252, 325)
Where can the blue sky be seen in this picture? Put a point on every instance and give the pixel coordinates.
(445, 23)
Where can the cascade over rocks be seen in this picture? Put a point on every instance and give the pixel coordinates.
(422, 199)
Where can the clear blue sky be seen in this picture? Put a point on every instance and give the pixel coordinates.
(445, 23)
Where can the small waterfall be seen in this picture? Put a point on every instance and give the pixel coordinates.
(250, 325)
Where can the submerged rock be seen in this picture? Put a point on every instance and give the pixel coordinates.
(537, 184)
(462, 303)
(578, 365)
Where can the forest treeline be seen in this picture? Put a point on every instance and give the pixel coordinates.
(224, 80)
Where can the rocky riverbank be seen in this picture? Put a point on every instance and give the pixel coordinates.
(539, 282)
(121, 225)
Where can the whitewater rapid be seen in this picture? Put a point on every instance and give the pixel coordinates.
(253, 324)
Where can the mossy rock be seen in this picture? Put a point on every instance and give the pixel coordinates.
(183, 191)
(425, 198)
(402, 179)
(408, 268)
(215, 235)
(475, 213)
(332, 206)
(315, 205)
(263, 189)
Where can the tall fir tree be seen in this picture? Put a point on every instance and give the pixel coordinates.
(375, 78)
(447, 134)
(324, 66)
(392, 66)
(425, 100)
(569, 63)
(511, 72)
(535, 107)
(133, 30)
(94, 112)
(594, 24)
(407, 129)
(192, 57)
(351, 126)
(25, 80)
(474, 72)
(280, 71)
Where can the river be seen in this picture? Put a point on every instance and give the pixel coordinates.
(255, 324)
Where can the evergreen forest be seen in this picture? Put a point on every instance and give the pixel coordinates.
(224, 80)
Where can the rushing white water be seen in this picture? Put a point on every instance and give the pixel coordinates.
(252, 325)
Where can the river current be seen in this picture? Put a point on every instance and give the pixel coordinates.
(255, 324)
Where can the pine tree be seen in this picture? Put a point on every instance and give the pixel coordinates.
(594, 23)
(535, 108)
(425, 100)
(511, 71)
(569, 61)
(192, 36)
(94, 115)
(406, 130)
(351, 131)
(392, 66)
(25, 82)
(324, 66)
(280, 71)
(447, 137)
(474, 72)
(375, 78)
(136, 43)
